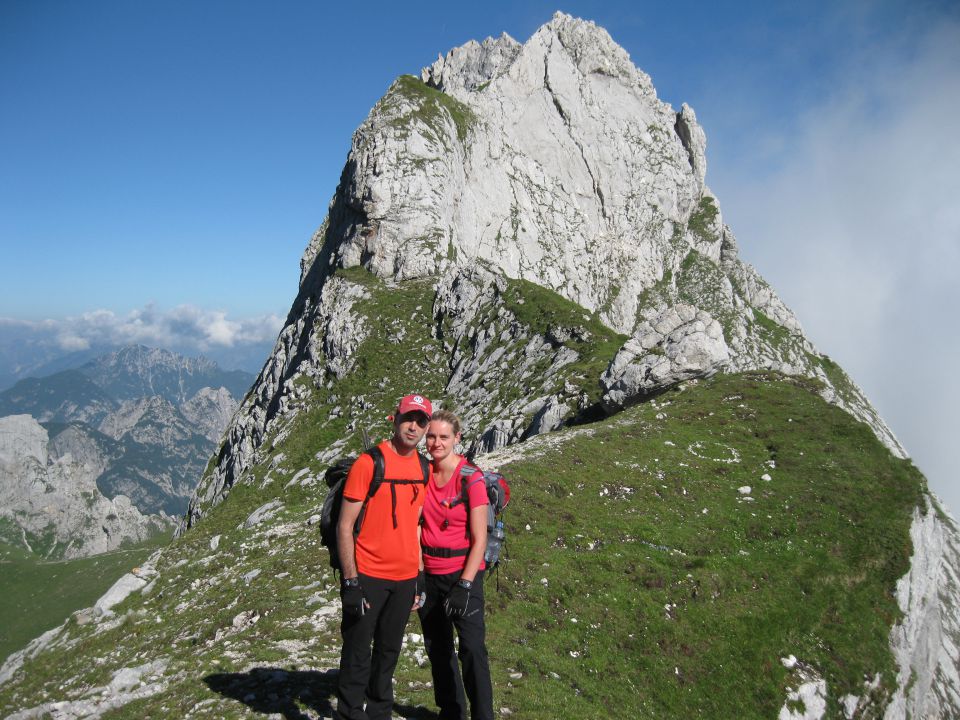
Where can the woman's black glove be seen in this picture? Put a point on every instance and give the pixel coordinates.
(455, 606)
(352, 598)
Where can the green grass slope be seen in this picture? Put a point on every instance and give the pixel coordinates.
(640, 581)
(37, 595)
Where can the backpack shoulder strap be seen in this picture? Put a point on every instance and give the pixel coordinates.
(466, 472)
(379, 471)
(424, 468)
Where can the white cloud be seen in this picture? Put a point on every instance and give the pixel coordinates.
(859, 231)
(185, 326)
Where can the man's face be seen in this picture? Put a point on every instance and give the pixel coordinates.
(409, 428)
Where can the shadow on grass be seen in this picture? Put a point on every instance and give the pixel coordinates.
(290, 693)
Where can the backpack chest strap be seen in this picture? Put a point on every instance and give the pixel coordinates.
(379, 467)
(393, 494)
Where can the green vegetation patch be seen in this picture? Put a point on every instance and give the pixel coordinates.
(778, 337)
(547, 313)
(838, 378)
(701, 283)
(398, 357)
(37, 595)
(648, 582)
(433, 107)
(774, 332)
(701, 222)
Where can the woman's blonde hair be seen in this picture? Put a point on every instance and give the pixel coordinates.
(447, 417)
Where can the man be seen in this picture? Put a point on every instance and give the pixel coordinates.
(381, 564)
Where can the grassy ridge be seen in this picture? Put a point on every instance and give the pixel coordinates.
(648, 581)
(36, 595)
(620, 597)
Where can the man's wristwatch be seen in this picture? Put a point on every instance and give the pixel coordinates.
(350, 582)
(465, 584)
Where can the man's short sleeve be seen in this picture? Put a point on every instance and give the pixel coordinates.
(359, 479)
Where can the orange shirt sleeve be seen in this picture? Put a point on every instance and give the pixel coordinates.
(359, 479)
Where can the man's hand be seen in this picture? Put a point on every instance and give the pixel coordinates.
(352, 598)
(455, 606)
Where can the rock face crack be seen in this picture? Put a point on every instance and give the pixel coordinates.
(683, 132)
(598, 191)
(693, 140)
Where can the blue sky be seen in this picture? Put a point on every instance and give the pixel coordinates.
(183, 152)
(165, 163)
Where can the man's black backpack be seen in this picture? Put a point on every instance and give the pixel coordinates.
(336, 478)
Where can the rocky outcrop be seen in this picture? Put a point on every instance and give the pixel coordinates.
(925, 641)
(93, 451)
(557, 165)
(680, 344)
(210, 411)
(472, 66)
(51, 505)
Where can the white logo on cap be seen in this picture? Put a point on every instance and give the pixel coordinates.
(418, 400)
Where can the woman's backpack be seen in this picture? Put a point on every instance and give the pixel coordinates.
(498, 495)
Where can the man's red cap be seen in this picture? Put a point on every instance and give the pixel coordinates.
(415, 403)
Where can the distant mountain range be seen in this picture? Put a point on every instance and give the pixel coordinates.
(94, 389)
(50, 505)
(143, 421)
(29, 352)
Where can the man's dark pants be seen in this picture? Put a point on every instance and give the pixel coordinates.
(448, 687)
(365, 677)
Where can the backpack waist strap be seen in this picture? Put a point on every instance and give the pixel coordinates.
(445, 552)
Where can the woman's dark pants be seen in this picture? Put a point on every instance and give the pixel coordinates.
(448, 686)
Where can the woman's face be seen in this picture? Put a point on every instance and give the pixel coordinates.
(440, 439)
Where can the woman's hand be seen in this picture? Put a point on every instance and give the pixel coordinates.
(455, 606)
(420, 594)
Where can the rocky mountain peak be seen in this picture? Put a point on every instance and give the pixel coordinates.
(552, 161)
(137, 371)
(590, 47)
(472, 64)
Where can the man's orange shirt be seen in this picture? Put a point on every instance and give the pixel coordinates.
(383, 551)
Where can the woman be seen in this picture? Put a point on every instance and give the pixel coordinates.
(454, 538)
